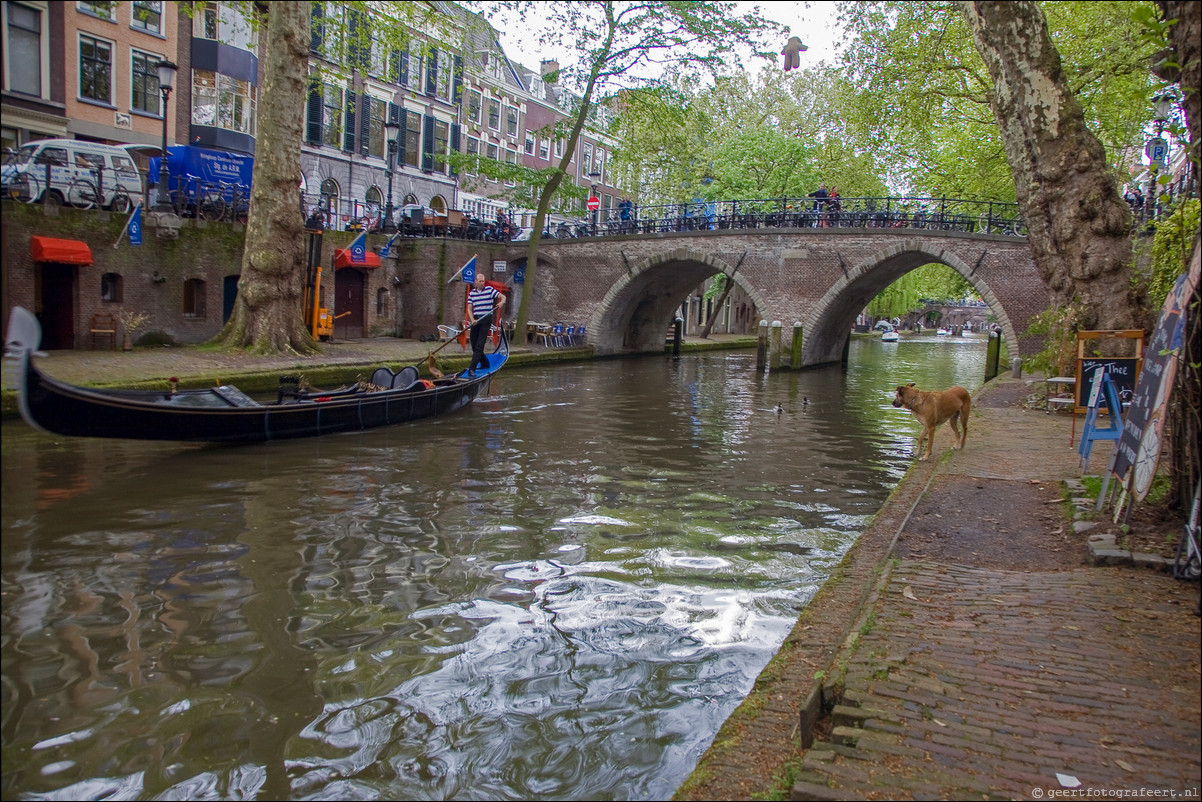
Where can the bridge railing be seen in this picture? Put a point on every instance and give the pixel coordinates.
(936, 214)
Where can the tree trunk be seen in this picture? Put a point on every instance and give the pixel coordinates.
(1079, 226)
(267, 316)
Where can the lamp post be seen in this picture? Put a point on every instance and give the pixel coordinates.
(166, 72)
(592, 192)
(391, 131)
(1158, 148)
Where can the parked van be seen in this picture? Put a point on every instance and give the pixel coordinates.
(71, 171)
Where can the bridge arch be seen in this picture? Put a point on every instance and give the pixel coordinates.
(634, 314)
(826, 325)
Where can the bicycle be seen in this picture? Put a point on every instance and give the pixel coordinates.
(1187, 561)
(210, 203)
(83, 193)
(24, 188)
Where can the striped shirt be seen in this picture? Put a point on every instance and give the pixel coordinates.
(482, 301)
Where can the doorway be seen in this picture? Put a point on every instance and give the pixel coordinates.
(348, 303)
(55, 302)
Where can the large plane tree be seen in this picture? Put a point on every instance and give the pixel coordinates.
(624, 45)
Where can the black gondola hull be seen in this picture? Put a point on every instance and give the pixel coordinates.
(225, 415)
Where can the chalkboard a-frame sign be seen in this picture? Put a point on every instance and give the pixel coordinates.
(1123, 371)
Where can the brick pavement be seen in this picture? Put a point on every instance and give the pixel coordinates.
(962, 682)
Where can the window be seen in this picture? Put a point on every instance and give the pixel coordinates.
(413, 138)
(445, 72)
(104, 10)
(586, 160)
(511, 121)
(439, 149)
(529, 144)
(558, 147)
(492, 152)
(236, 103)
(542, 148)
(330, 194)
(511, 157)
(194, 298)
(221, 101)
(23, 53)
(474, 100)
(204, 97)
(224, 22)
(95, 69)
(494, 114)
(110, 288)
(377, 113)
(144, 86)
(148, 16)
(331, 119)
(473, 150)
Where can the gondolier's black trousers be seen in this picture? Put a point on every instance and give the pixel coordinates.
(479, 337)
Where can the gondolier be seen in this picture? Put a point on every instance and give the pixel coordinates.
(484, 306)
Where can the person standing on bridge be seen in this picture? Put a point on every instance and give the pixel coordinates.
(484, 305)
(819, 195)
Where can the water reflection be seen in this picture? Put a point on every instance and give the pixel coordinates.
(560, 594)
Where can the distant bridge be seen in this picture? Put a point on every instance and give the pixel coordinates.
(627, 288)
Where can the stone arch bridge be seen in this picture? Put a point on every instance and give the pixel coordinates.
(627, 289)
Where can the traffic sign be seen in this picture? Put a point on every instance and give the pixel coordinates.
(1157, 151)
(594, 203)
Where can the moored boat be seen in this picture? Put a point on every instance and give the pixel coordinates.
(889, 336)
(225, 413)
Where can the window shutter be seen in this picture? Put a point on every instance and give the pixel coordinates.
(348, 133)
(314, 109)
(403, 67)
(318, 30)
(454, 144)
(428, 143)
(394, 67)
(457, 81)
(432, 73)
(402, 137)
(365, 126)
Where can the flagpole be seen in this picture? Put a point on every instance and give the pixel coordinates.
(121, 236)
(465, 264)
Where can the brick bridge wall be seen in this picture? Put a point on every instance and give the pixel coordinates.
(625, 289)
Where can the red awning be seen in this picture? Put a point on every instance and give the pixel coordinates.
(63, 251)
(342, 258)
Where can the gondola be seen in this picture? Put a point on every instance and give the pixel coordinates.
(225, 414)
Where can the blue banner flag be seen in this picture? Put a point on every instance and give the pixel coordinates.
(359, 248)
(519, 274)
(135, 226)
(468, 271)
(386, 251)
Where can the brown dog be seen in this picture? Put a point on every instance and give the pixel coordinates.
(933, 408)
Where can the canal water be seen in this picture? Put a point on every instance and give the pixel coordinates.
(559, 593)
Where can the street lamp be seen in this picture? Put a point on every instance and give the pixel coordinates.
(592, 193)
(391, 131)
(166, 72)
(1162, 106)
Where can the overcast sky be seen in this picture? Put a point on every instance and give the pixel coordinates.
(813, 22)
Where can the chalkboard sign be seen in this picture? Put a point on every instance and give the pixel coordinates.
(1123, 371)
(1152, 393)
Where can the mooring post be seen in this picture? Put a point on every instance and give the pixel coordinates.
(761, 347)
(774, 344)
(796, 361)
(677, 335)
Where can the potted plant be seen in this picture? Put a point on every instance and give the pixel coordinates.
(131, 323)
